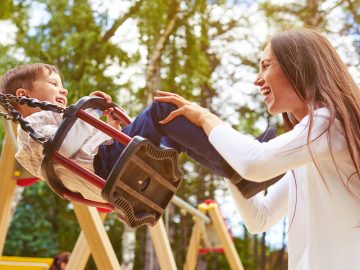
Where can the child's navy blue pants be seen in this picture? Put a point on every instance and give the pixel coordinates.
(179, 134)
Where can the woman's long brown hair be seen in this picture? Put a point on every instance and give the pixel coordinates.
(321, 79)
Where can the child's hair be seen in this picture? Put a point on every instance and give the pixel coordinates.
(23, 77)
(59, 259)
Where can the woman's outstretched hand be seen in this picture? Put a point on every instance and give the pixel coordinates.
(196, 114)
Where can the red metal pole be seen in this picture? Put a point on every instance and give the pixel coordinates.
(77, 198)
(100, 125)
(82, 172)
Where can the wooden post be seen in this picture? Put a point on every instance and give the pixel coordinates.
(162, 246)
(96, 237)
(81, 252)
(223, 234)
(192, 252)
(7, 188)
(217, 222)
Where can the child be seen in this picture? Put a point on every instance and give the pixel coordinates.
(60, 261)
(89, 147)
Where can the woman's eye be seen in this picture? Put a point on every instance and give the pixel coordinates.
(54, 83)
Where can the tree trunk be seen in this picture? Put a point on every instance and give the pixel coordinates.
(283, 263)
(128, 248)
(153, 69)
(256, 256)
(151, 262)
(263, 251)
(314, 19)
(17, 198)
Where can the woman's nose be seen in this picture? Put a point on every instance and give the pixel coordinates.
(259, 81)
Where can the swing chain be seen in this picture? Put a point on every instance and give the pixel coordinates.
(7, 99)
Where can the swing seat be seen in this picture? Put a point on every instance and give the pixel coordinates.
(142, 182)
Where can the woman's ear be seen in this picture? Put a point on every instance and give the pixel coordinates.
(21, 92)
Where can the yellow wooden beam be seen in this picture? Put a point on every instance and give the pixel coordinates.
(22, 263)
(96, 237)
(7, 188)
(223, 234)
(81, 252)
(192, 252)
(162, 246)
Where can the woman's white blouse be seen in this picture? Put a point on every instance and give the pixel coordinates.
(319, 193)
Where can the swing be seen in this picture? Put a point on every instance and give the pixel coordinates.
(143, 180)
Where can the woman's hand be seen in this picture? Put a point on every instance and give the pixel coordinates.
(196, 114)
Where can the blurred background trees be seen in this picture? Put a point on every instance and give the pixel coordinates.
(207, 51)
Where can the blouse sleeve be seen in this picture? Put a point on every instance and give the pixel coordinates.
(259, 213)
(258, 162)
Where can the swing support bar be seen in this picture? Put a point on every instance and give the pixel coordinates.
(100, 125)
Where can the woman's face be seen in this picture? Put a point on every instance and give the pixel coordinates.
(279, 94)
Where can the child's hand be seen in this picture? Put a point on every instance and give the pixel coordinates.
(103, 95)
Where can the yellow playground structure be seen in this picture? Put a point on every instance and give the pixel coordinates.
(22, 263)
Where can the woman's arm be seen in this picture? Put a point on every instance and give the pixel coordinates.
(259, 213)
(257, 161)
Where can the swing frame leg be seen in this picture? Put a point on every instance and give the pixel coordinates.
(162, 246)
(217, 221)
(225, 239)
(81, 251)
(96, 238)
(192, 253)
(7, 190)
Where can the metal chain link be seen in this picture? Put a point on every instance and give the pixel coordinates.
(6, 101)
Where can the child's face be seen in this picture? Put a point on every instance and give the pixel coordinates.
(47, 87)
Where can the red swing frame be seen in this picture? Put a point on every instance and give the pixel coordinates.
(84, 173)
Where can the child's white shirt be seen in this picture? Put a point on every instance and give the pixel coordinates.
(80, 145)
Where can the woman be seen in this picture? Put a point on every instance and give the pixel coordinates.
(302, 77)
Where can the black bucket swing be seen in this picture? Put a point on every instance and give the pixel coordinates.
(143, 180)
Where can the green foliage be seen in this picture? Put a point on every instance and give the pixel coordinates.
(43, 224)
(72, 39)
(6, 9)
(6, 62)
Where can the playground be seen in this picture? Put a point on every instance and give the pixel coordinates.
(177, 134)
